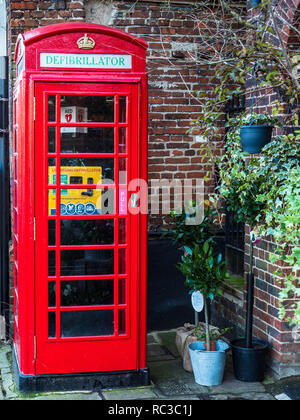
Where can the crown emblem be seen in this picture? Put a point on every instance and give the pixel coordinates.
(86, 43)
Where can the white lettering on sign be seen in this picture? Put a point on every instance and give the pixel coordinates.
(86, 61)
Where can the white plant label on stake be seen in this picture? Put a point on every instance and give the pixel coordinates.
(197, 301)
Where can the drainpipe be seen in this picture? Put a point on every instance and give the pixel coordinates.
(4, 194)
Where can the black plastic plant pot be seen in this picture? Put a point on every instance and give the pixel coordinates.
(249, 363)
(255, 137)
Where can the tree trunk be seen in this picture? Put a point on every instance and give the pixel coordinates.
(207, 325)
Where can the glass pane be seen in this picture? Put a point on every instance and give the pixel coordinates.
(51, 294)
(122, 201)
(87, 232)
(87, 171)
(87, 262)
(123, 171)
(122, 109)
(51, 232)
(122, 291)
(87, 140)
(122, 139)
(87, 323)
(51, 202)
(122, 321)
(85, 293)
(122, 261)
(51, 139)
(78, 202)
(51, 324)
(51, 171)
(87, 109)
(51, 108)
(122, 231)
(51, 263)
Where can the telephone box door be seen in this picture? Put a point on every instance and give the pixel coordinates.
(87, 241)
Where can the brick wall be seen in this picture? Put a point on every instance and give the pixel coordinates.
(173, 75)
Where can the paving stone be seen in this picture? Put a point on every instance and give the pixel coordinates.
(181, 398)
(8, 385)
(168, 339)
(282, 397)
(139, 393)
(150, 339)
(231, 385)
(156, 352)
(171, 379)
(68, 396)
(1, 393)
(242, 397)
(4, 363)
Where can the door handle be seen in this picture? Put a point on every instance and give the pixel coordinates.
(134, 199)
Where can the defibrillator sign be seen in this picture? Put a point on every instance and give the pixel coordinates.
(76, 201)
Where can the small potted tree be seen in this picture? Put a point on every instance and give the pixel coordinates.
(204, 272)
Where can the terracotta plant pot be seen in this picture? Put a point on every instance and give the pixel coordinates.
(213, 345)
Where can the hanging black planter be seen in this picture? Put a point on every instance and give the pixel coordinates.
(248, 355)
(255, 137)
(255, 3)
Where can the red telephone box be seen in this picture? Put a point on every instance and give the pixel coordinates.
(80, 140)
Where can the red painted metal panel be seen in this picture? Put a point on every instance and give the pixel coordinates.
(37, 352)
(117, 352)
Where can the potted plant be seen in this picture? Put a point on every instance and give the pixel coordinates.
(256, 131)
(242, 181)
(188, 235)
(204, 272)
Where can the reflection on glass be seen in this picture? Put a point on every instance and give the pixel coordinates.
(87, 109)
(51, 139)
(51, 232)
(87, 292)
(51, 171)
(122, 321)
(122, 171)
(51, 324)
(122, 231)
(51, 294)
(122, 261)
(87, 232)
(91, 140)
(87, 323)
(52, 202)
(122, 291)
(122, 109)
(87, 262)
(122, 139)
(91, 201)
(51, 108)
(51, 263)
(86, 170)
